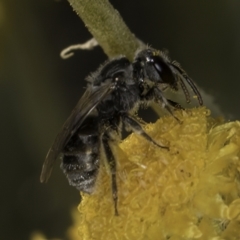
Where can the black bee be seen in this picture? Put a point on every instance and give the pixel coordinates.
(113, 95)
(111, 98)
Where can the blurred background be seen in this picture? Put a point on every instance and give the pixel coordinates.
(38, 89)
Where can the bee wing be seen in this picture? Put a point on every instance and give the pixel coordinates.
(90, 99)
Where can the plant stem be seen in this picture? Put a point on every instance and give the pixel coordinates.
(107, 27)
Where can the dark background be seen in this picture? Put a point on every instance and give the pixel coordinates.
(38, 90)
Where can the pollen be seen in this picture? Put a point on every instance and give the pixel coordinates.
(188, 192)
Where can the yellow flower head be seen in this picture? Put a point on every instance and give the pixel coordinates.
(189, 192)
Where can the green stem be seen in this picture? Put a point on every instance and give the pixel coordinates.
(107, 27)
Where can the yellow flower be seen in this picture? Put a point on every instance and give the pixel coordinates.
(189, 192)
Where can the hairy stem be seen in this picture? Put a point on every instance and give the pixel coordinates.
(107, 27)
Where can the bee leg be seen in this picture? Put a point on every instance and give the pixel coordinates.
(137, 128)
(156, 96)
(160, 99)
(174, 105)
(112, 163)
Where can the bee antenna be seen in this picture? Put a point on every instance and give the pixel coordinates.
(184, 77)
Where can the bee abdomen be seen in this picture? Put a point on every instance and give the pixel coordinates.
(81, 170)
(80, 162)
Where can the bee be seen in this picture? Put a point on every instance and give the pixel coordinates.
(113, 96)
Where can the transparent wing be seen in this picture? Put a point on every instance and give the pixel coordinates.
(90, 99)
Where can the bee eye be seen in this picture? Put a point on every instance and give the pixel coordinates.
(163, 70)
(159, 65)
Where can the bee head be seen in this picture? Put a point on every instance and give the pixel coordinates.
(154, 68)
